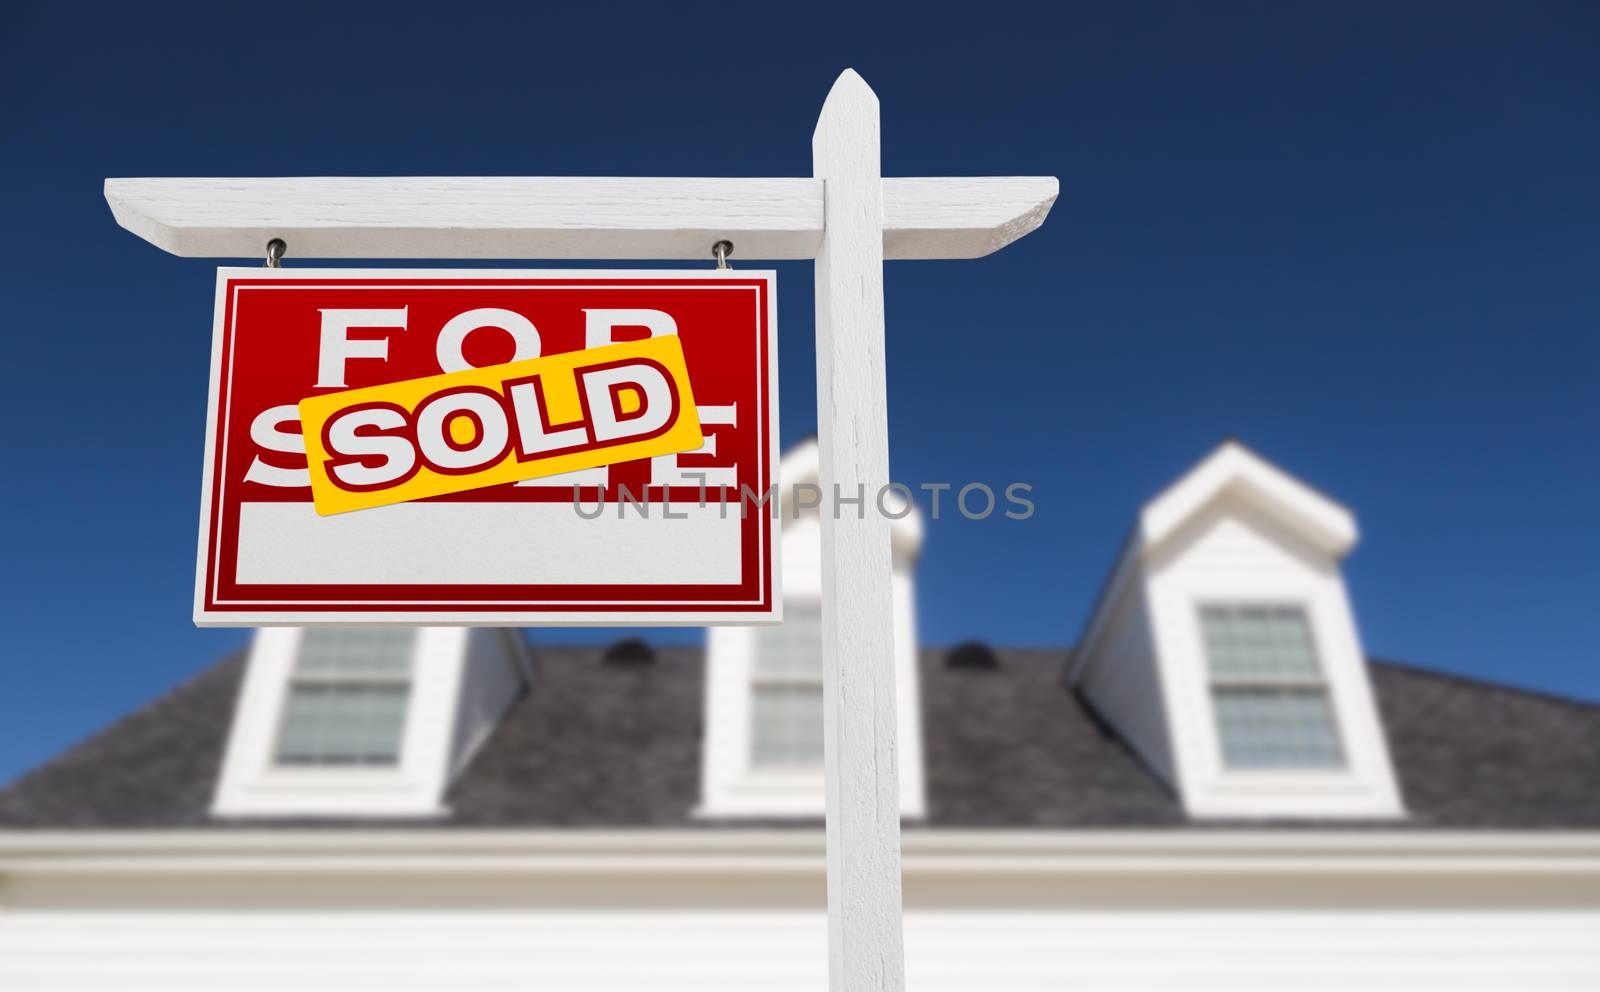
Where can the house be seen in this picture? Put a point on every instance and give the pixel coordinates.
(1216, 788)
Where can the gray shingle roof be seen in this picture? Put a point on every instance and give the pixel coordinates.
(601, 744)
(156, 767)
(1473, 754)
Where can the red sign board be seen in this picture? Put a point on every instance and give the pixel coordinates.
(678, 538)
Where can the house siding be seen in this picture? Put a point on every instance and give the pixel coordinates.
(486, 947)
(1122, 681)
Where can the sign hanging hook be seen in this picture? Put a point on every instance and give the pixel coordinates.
(720, 251)
(275, 249)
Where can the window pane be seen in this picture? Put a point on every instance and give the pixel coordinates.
(343, 724)
(347, 699)
(786, 686)
(372, 651)
(794, 647)
(1276, 728)
(1258, 643)
(787, 726)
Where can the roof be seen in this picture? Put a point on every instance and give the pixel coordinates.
(600, 744)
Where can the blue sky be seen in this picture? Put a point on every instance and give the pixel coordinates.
(1362, 238)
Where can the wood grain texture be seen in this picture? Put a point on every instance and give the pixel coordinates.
(865, 952)
(962, 217)
(561, 217)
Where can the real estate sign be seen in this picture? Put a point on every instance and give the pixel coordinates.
(490, 447)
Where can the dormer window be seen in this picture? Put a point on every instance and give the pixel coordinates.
(1225, 653)
(1267, 689)
(786, 688)
(347, 698)
(364, 722)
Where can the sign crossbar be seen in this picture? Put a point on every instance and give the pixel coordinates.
(563, 218)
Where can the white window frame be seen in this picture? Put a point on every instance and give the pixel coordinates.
(1363, 788)
(1316, 683)
(735, 785)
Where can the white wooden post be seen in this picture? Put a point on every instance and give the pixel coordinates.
(858, 673)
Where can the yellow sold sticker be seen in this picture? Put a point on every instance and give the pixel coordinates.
(502, 423)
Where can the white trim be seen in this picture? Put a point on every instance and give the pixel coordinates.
(1111, 851)
(1237, 470)
(682, 909)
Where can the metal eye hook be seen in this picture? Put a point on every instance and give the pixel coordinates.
(720, 251)
(275, 249)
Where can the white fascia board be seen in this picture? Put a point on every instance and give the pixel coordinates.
(925, 851)
(1236, 470)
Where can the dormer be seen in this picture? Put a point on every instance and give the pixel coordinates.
(364, 721)
(763, 745)
(1224, 651)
